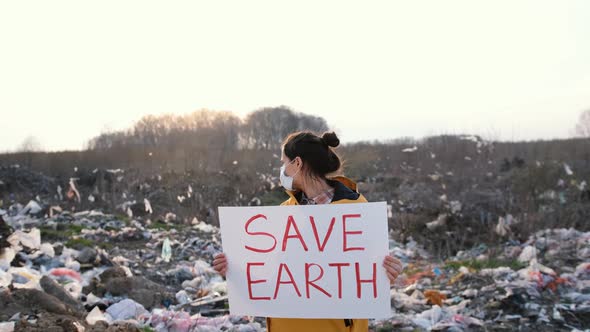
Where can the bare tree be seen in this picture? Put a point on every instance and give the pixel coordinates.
(267, 127)
(30, 144)
(583, 126)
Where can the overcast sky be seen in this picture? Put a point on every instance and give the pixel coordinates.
(508, 70)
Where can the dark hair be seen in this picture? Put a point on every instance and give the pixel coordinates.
(315, 151)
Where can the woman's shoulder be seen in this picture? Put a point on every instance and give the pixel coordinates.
(344, 189)
(289, 201)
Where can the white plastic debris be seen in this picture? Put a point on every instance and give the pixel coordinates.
(219, 287)
(440, 221)
(92, 299)
(6, 256)
(527, 254)
(169, 217)
(59, 192)
(434, 177)
(166, 250)
(74, 288)
(23, 277)
(31, 240)
(204, 227)
(126, 309)
(47, 249)
(7, 326)
(202, 267)
(182, 297)
(469, 293)
(497, 273)
(428, 318)
(31, 208)
(5, 279)
(535, 266)
(567, 169)
(96, 315)
(455, 206)
(502, 227)
(148, 206)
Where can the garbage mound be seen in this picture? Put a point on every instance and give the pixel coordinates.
(90, 271)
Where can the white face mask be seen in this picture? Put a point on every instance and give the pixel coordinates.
(287, 181)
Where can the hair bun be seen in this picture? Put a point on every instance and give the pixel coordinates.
(331, 139)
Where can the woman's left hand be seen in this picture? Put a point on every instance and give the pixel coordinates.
(393, 267)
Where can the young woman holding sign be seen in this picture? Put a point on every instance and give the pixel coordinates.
(307, 160)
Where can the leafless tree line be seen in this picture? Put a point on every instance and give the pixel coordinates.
(205, 130)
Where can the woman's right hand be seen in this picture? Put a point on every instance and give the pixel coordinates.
(220, 264)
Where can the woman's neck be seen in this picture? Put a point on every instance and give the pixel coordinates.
(314, 187)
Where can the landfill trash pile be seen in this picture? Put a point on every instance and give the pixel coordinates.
(90, 271)
(542, 284)
(68, 265)
(15, 180)
(129, 192)
(444, 206)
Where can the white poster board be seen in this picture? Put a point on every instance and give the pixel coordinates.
(307, 261)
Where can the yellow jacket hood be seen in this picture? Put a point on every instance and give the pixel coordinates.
(345, 191)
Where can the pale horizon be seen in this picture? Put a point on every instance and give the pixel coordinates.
(376, 71)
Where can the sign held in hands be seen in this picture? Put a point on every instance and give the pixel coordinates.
(307, 261)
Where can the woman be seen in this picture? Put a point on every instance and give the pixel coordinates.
(307, 160)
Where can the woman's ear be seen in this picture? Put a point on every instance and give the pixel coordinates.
(298, 162)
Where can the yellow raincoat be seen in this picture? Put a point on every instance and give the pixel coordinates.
(345, 191)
